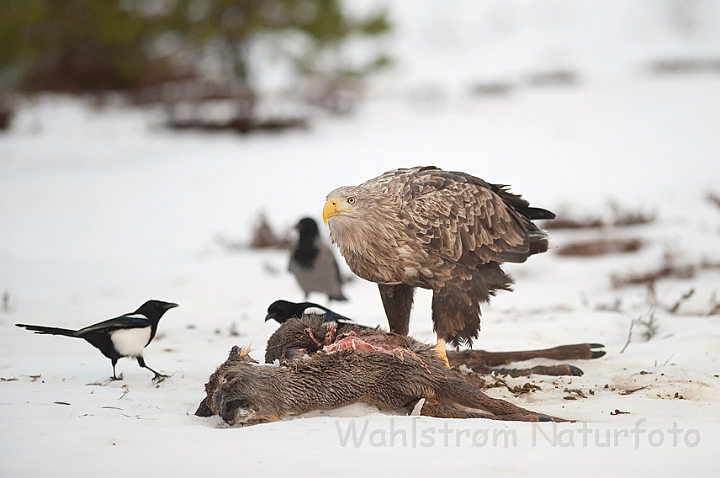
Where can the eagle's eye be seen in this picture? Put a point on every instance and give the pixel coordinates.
(351, 200)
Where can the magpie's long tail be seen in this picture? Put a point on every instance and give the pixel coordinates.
(39, 329)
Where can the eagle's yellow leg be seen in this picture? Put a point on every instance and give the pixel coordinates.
(440, 351)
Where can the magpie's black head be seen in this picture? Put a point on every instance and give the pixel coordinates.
(281, 311)
(154, 309)
(307, 228)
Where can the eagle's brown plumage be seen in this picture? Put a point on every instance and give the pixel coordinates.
(441, 230)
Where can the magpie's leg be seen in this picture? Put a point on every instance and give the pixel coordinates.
(114, 376)
(158, 375)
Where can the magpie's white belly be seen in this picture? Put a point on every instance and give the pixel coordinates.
(130, 342)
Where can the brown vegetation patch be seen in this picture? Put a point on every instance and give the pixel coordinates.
(685, 65)
(240, 125)
(516, 390)
(713, 309)
(667, 270)
(618, 217)
(492, 89)
(527, 387)
(630, 391)
(7, 110)
(553, 78)
(576, 391)
(567, 222)
(598, 247)
(714, 199)
(263, 236)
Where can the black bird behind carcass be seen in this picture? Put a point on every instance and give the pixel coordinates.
(123, 336)
(282, 310)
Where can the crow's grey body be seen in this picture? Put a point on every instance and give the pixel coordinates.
(313, 263)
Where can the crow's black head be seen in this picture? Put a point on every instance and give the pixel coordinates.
(307, 228)
(306, 251)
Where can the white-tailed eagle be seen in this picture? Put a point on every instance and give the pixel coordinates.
(440, 230)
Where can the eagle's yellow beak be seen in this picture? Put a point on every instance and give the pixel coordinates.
(333, 207)
(330, 209)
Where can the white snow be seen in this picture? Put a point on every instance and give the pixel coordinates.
(101, 210)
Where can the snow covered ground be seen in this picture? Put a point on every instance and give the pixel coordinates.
(102, 210)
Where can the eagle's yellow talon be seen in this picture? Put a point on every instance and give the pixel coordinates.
(440, 351)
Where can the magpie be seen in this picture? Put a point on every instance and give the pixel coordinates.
(123, 336)
(282, 310)
(313, 263)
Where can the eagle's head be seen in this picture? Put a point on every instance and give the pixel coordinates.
(362, 218)
(347, 200)
(361, 203)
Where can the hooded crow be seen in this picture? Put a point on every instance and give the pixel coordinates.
(123, 336)
(313, 263)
